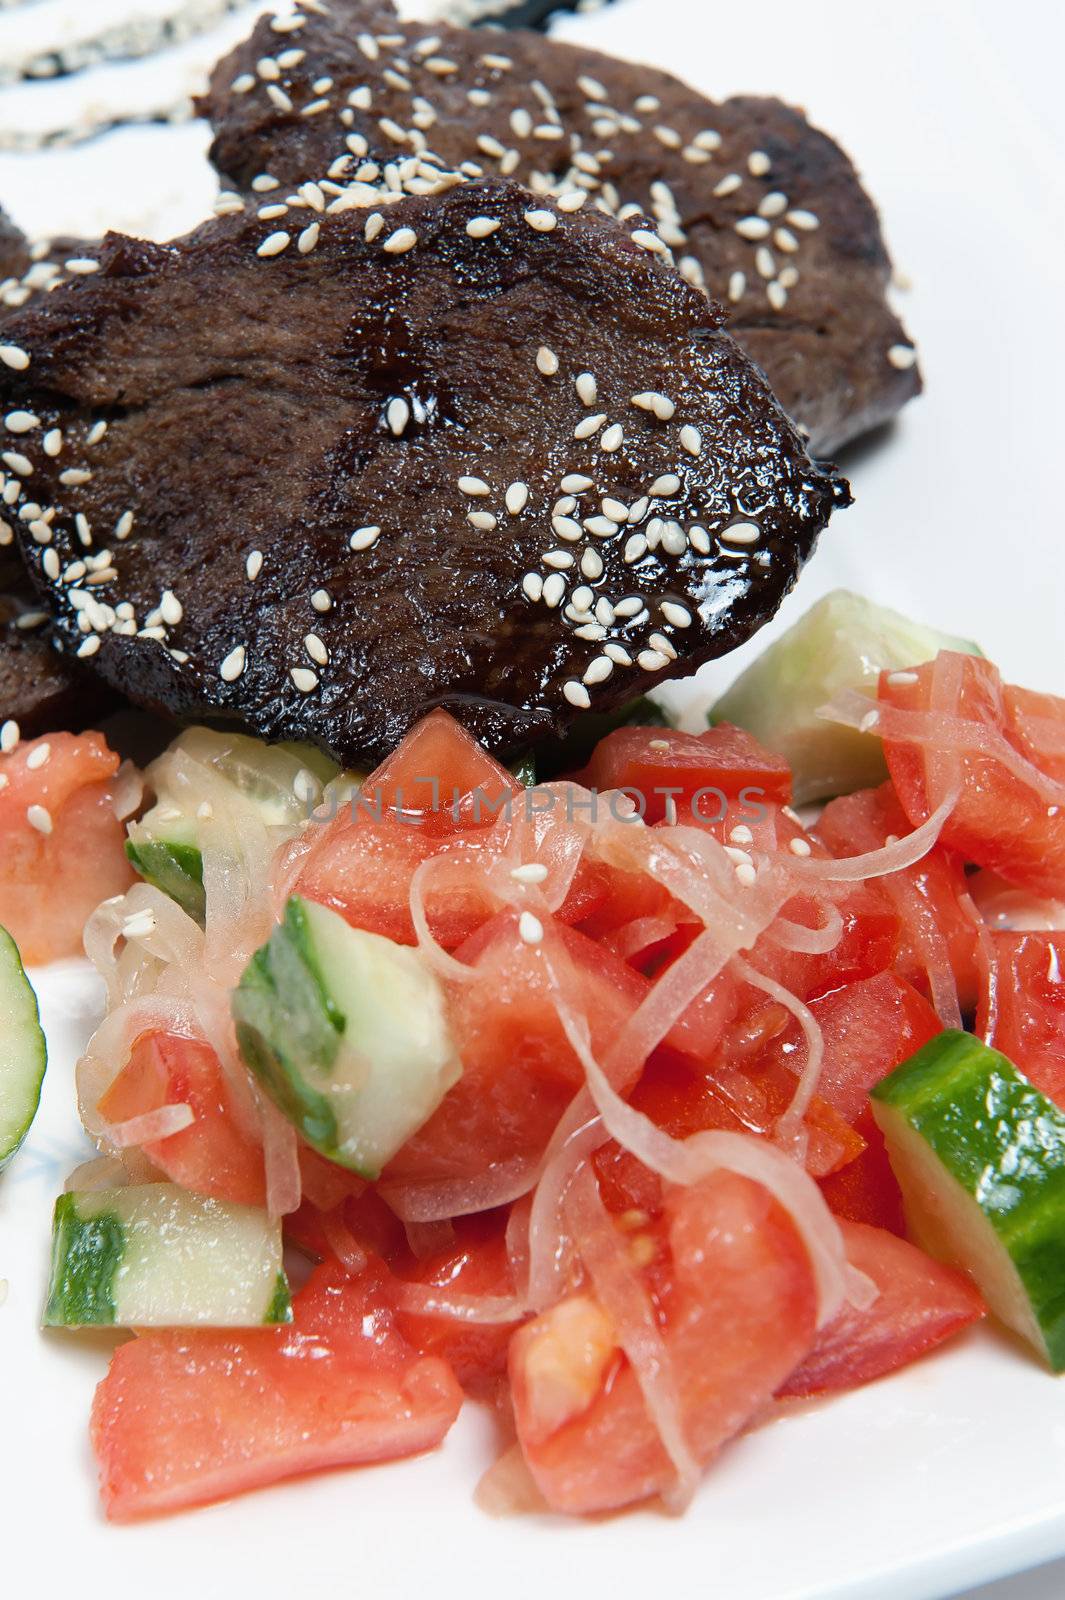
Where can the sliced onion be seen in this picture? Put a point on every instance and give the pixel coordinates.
(508, 1488)
(790, 1123)
(577, 1135)
(426, 1300)
(808, 941)
(498, 1185)
(343, 1243)
(620, 1291)
(161, 1123)
(284, 1186)
(904, 852)
(436, 957)
(427, 1239)
(1002, 905)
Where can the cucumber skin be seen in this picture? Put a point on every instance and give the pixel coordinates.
(280, 1308)
(985, 1123)
(266, 1031)
(176, 869)
(86, 1256)
(9, 950)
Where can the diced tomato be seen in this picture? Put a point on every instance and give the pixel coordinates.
(61, 845)
(933, 925)
(920, 1303)
(519, 1071)
(476, 1265)
(736, 1305)
(662, 764)
(439, 779)
(869, 1029)
(213, 1155)
(183, 1418)
(1003, 819)
(866, 1189)
(1023, 1014)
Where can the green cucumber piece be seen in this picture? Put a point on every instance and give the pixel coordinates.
(842, 642)
(980, 1157)
(23, 1054)
(155, 1255)
(347, 1033)
(246, 784)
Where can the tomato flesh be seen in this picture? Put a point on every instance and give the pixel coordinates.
(187, 1417)
(666, 768)
(440, 779)
(1023, 1014)
(50, 881)
(920, 1302)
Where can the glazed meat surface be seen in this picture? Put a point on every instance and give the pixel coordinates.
(759, 207)
(320, 473)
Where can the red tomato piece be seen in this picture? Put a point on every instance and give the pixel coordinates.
(1023, 1011)
(736, 1305)
(62, 849)
(663, 765)
(187, 1417)
(476, 1265)
(869, 1029)
(213, 1155)
(1003, 819)
(920, 1303)
(439, 779)
(866, 1189)
(519, 1070)
(933, 925)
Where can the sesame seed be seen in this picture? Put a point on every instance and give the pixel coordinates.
(805, 221)
(902, 679)
(742, 533)
(96, 432)
(38, 756)
(304, 679)
(598, 670)
(737, 284)
(572, 200)
(613, 438)
(50, 563)
(363, 538)
(554, 589)
(669, 137)
(308, 239)
(17, 462)
(10, 734)
(81, 266)
(483, 520)
(628, 608)
(691, 440)
(315, 649)
(576, 483)
(799, 847)
(869, 721)
(402, 240)
(290, 58)
(564, 505)
(273, 244)
(652, 660)
(577, 694)
(667, 484)
(254, 564)
(746, 875)
(440, 66)
(533, 585)
(481, 227)
(374, 223)
(88, 646)
(530, 928)
(592, 564)
(278, 97)
(13, 356)
(902, 356)
(774, 204)
(264, 182)
(475, 486)
(616, 510)
(777, 295)
(635, 547)
(741, 834)
(582, 598)
(589, 425)
(541, 221)
(529, 872)
(601, 527)
(736, 855)
(587, 388)
(52, 443)
(73, 476)
(547, 362)
(496, 63)
(40, 818)
(677, 614)
(560, 559)
(664, 646)
(516, 498)
(170, 608)
(728, 185)
(758, 163)
(287, 24)
(40, 531)
(752, 228)
(322, 600)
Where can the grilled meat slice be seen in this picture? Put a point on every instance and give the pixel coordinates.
(760, 207)
(320, 473)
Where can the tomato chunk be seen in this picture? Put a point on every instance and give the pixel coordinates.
(1006, 818)
(866, 1189)
(184, 1418)
(475, 1266)
(869, 1029)
(736, 1305)
(920, 1303)
(61, 845)
(440, 779)
(663, 765)
(213, 1155)
(1023, 1011)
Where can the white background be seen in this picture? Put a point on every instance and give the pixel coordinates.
(953, 1472)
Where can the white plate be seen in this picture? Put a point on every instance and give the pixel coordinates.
(952, 1472)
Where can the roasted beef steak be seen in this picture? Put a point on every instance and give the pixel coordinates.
(320, 473)
(761, 208)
